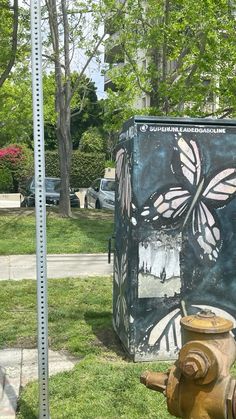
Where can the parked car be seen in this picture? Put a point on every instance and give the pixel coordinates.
(52, 192)
(101, 194)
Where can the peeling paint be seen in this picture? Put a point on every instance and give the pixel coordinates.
(175, 231)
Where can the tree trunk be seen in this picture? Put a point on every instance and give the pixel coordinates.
(61, 44)
(65, 154)
(62, 103)
(165, 56)
(64, 135)
(12, 58)
(155, 96)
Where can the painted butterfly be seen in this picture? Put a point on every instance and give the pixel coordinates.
(124, 181)
(166, 333)
(193, 200)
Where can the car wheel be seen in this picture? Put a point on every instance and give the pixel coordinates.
(85, 203)
(30, 203)
(98, 205)
(23, 204)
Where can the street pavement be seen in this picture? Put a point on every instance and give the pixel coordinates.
(18, 366)
(18, 267)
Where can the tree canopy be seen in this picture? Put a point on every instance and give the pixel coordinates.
(182, 55)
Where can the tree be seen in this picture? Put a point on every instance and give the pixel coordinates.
(182, 57)
(85, 109)
(8, 34)
(16, 109)
(92, 141)
(15, 82)
(71, 25)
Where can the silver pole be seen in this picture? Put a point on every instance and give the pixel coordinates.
(40, 208)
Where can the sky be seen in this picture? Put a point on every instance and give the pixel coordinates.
(94, 69)
(95, 73)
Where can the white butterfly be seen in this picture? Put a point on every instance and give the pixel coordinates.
(193, 200)
(124, 181)
(166, 333)
(120, 276)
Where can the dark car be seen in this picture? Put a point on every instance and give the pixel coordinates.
(52, 195)
(101, 194)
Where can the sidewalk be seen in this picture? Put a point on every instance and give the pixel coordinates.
(18, 267)
(18, 367)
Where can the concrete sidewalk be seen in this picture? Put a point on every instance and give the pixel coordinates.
(20, 366)
(18, 267)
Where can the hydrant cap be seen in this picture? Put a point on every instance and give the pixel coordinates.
(206, 322)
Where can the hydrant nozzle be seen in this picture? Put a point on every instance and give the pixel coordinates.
(155, 380)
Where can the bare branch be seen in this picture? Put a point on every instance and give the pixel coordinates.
(87, 64)
(226, 112)
(133, 64)
(52, 59)
(66, 52)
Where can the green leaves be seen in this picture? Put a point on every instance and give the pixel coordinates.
(190, 54)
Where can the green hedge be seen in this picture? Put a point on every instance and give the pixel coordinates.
(85, 167)
(6, 180)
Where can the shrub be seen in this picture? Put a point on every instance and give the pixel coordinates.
(6, 180)
(52, 168)
(91, 141)
(85, 167)
(18, 159)
(110, 163)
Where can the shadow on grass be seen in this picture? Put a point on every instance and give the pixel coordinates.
(25, 410)
(105, 334)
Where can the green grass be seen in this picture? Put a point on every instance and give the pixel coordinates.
(87, 232)
(77, 307)
(104, 384)
(99, 390)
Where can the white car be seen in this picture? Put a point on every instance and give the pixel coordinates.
(101, 194)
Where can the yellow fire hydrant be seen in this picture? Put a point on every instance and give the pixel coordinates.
(199, 385)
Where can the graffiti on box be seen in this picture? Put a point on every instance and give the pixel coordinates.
(182, 225)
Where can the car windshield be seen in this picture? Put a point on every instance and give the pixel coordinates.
(108, 185)
(52, 185)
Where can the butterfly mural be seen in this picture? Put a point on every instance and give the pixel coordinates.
(192, 201)
(165, 335)
(120, 276)
(124, 181)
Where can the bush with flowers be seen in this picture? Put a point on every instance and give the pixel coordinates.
(18, 160)
(6, 181)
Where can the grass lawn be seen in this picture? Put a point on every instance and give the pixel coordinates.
(87, 232)
(104, 384)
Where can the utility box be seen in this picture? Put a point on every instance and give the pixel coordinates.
(175, 234)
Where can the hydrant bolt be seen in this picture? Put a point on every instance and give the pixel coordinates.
(195, 365)
(190, 369)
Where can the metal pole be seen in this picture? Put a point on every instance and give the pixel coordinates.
(40, 208)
